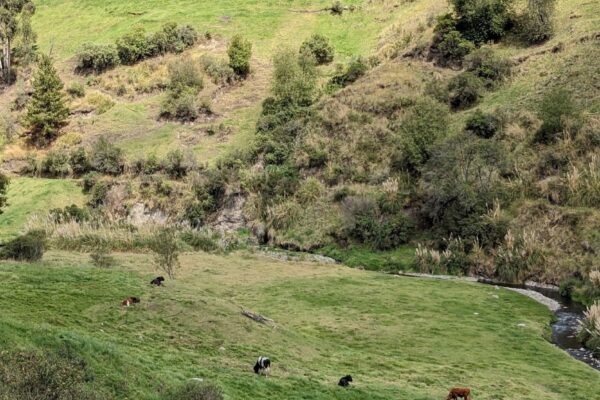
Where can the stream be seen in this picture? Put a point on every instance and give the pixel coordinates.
(566, 326)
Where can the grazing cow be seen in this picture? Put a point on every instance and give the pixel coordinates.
(345, 381)
(157, 281)
(262, 366)
(459, 393)
(129, 301)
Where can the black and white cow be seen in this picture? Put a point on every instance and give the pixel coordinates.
(262, 366)
(345, 381)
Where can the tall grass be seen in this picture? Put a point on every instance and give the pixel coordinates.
(590, 328)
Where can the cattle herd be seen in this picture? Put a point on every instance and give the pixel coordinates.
(263, 364)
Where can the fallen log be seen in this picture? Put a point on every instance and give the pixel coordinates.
(261, 319)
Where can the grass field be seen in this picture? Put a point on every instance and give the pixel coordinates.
(28, 196)
(401, 338)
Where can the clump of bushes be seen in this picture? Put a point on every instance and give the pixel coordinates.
(464, 91)
(45, 376)
(449, 47)
(536, 25)
(69, 213)
(97, 58)
(135, 46)
(482, 124)
(185, 82)
(350, 74)
(239, 52)
(28, 247)
(55, 164)
(219, 71)
(558, 113)
(371, 222)
(486, 65)
(320, 47)
(107, 158)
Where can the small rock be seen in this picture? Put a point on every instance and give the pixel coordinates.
(495, 296)
(475, 313)
(221, 348)
(521, 325)
(197, 379)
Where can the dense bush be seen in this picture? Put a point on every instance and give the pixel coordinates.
(239, 52)
(185, 73)
(196, 391)
(134, 46)
(97, 57)
(56, 164)
(483, 124)
(28, 247)
(180, 104)
(80, 161)
(320, 47)
(69, 213)
(558, 112)
(4, 182)
(89, 180)
(536, 25)
(448, 46)
(425, 123)
(107, 158)
(172, 38)
(294, 82)
(354, 70)
(464, 91)
(147, 166)
(219, 71)
(487, 66)
(483, 20)
(178, 163)
(98, 193)
(28, 375)
(366, 222)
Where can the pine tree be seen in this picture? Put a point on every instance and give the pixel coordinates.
(47, 111)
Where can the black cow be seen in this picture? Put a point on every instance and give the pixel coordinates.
(345, 381)
(157, 281)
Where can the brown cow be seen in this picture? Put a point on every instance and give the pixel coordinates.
(459, 393)
(129, 301)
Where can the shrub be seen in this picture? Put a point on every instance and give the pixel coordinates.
(4, 181)
(28, 375)
(453, 48)
(69, 213)
(464, 90)
(195, 215)
(354, 70)
(97, 57)
(100, 101)
(56, 164)
(294, 81)
(219, 71)
(89, 181)
(107, 158)
(535, 25)
(98, 193)
(178, 164)
(239, 52)
(484, 64)
(196, 391)
(589, 333)
(28, 247)
(76, 89)
(483, 124)
(185, 73)
(483, 20)
(425, 123)
(320, 47)
(80, 161)
(166, 251)
(172, 39)
(134, 46)
(180, 104)
(557, 111)
(148, 166)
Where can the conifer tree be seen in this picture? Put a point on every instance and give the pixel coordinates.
(46, 111)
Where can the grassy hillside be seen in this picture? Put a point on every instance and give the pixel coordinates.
(402, 338)
(28, 196)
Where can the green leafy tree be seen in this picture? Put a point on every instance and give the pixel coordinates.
(295, 78)
(536, 24)
(166, 251)
(4, 181)
(558, 112)
(482, 20)
(10, 10)
(239, 52)
(320, 47)
(47, 111)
